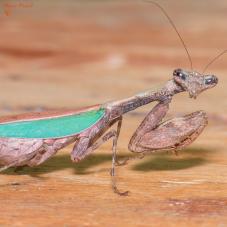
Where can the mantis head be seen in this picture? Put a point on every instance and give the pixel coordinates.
(190, 81)
(194, 82)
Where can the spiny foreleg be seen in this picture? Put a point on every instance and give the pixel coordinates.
(173, 134)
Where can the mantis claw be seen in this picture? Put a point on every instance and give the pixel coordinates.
(125, 193)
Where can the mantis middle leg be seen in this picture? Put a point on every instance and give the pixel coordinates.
(85, 145)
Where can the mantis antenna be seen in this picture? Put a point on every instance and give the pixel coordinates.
(174, 27)
(214, 59)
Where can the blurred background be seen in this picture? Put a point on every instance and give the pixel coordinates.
(70, 54)
(58, 54)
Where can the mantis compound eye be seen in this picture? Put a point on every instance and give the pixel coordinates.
(179, 73)
(210, 80)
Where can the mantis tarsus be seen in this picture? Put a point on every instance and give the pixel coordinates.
(31, 139)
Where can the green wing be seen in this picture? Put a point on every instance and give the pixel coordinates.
(51, 127)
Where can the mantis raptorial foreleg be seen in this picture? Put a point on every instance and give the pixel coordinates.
(174, 134)
(153, 118)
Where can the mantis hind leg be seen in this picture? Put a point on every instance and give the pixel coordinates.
(42, 155)
(48, 149)
(85, 145)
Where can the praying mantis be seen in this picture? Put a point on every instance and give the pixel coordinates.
(30, 139)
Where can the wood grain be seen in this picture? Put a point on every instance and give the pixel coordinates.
(66, 54)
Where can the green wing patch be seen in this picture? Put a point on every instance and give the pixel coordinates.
(51, 127)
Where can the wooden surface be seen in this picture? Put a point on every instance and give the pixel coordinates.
(65, 54)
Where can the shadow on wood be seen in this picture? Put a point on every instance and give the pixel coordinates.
(161, 161)
(61, 162)
(166, 162)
